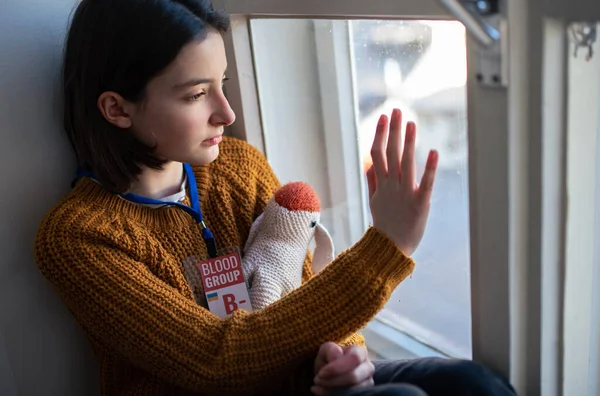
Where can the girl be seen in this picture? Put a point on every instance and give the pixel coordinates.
(144, 99)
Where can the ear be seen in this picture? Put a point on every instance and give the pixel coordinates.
(254, 231)
(113, 108)
(324, 252)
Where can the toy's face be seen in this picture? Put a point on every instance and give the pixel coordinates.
(313, 220)
(292, 225)
(295, 228)
(293, 214)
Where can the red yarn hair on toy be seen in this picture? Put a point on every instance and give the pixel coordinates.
(298, 196)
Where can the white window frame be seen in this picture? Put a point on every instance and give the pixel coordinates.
(338, 102)
(334, 9)
(489, 228)
(517, 173)
(538, 136)
(594, 382)
(582, 298)
(242, 93)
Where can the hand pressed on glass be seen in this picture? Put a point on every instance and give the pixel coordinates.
(399, 205)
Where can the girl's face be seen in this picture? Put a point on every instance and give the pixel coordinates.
(184, 110)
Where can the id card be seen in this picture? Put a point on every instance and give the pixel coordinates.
(219, 282)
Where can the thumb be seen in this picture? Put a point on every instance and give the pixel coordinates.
(334, 353)
(371, 181)
(327, 353)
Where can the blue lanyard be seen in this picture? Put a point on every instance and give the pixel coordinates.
(194, 211)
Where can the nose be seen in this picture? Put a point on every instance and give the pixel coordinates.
(223, 114)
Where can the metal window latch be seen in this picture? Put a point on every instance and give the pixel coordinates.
(488, 28)
(584, 35)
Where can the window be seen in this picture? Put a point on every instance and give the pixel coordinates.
(530, 278)
(396, 64)
(376, 65)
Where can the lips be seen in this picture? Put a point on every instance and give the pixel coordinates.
(213, 140)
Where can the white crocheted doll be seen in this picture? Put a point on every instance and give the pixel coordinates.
(279, 238)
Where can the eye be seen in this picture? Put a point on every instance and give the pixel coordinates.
(225, 79)
(313, 224)
(197, 96)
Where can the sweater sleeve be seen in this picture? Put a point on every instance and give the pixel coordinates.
(267, 183)
(126, 309)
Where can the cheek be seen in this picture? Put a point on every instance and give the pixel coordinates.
(179, 125)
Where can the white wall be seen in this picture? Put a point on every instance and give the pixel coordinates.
(290, 105)
(290, 100)
(42, 349)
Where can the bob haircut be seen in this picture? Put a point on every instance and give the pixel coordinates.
(120, 45)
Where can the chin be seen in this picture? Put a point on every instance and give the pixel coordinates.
(206, 155)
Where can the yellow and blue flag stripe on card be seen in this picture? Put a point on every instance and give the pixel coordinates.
(212, 297)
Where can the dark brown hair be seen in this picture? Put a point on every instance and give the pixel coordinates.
(120, 45)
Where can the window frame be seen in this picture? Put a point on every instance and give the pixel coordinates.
(335, 9)
(489, 229)
(517, 178)
(242, 91)
(338, 103)
(538, 113)
(581, 349)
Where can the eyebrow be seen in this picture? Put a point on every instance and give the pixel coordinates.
(193, 82)
(197, 81)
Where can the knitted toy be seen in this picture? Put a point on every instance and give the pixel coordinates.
(279, 238)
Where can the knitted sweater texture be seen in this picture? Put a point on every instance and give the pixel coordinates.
(118, 268)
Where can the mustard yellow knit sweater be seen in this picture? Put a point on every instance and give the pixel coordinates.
(118, 268)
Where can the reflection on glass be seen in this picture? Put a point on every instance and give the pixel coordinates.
(420, 67)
